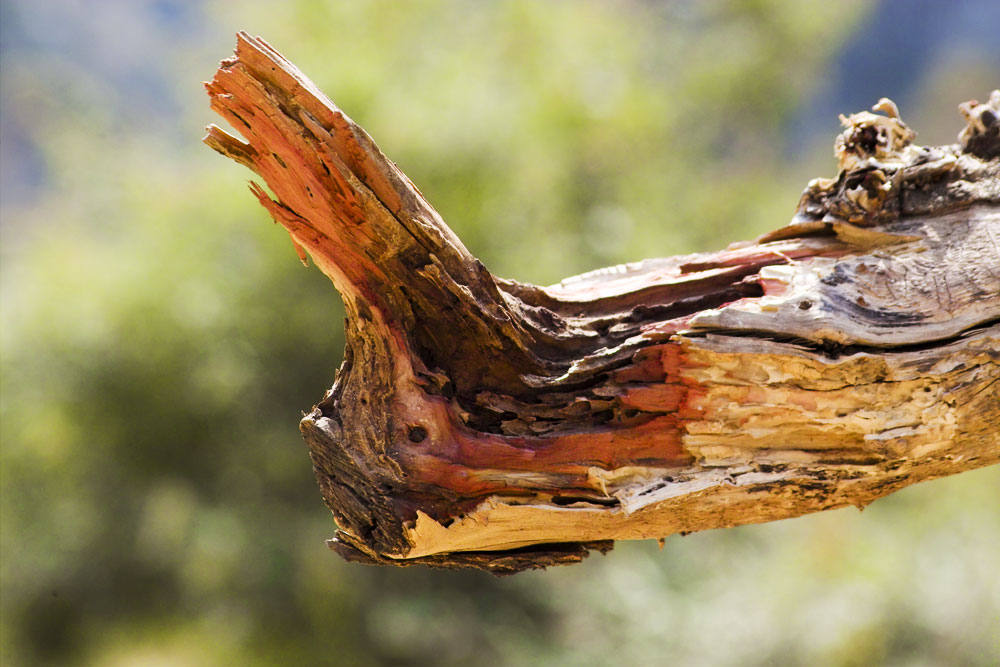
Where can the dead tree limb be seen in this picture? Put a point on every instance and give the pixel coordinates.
(481, 422)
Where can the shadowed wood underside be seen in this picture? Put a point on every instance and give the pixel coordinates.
(482, 422)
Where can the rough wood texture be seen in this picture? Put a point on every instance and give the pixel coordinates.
(481, 422)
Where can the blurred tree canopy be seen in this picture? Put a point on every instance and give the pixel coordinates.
(160, 339)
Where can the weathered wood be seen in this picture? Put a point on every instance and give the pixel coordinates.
(481, 422)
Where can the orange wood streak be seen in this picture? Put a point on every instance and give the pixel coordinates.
(435, 473)
(476, 463)
(654, 398)
(316, 202)
(647, 366)
(655, 442)
(466, 462)
(359, 152)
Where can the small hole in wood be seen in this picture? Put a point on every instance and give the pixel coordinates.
(805, 304)
(417, 434)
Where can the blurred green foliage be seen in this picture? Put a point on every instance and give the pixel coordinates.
(160, 340)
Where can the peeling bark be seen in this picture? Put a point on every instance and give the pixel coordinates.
(481, 422)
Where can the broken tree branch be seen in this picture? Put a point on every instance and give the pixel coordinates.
(482, 422)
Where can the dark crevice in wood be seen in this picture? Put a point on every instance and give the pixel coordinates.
(833, 350)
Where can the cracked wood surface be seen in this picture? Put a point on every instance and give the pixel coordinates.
(482, 422)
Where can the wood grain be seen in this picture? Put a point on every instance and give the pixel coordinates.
(482, 422)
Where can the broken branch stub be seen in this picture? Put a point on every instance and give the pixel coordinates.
(481, 422)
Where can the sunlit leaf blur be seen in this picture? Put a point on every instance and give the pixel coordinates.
(160, 338)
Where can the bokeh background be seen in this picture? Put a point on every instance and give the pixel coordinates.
(160, 338)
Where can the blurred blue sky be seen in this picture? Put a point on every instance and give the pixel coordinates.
(898, 47)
